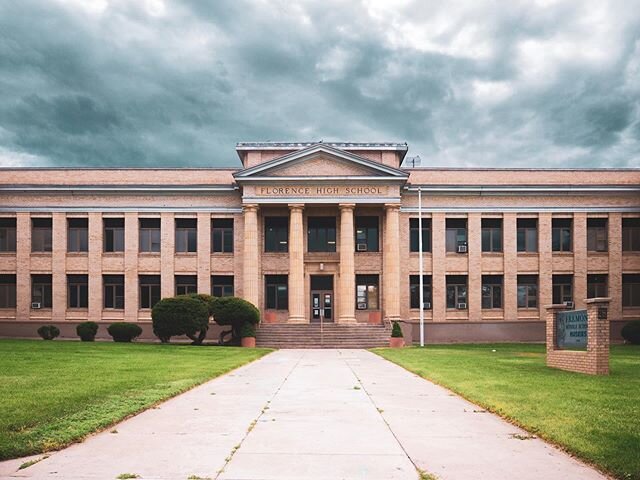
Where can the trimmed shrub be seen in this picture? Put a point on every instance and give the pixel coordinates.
(248, 330)
(181, 315)
(124, 331)
(48, 332)
(396, 331)
(87, 331)
(233, 312)
(631, 332)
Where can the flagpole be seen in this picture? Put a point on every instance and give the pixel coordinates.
(421, 284)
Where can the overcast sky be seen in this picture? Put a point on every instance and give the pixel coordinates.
(178, 83)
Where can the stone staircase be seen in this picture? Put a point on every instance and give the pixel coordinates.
(280, 335)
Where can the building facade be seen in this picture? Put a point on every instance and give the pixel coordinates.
(325, 231)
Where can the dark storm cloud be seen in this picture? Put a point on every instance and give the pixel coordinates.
(155, 82)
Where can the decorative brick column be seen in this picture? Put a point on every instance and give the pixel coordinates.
(439, 261)
(59, 267)
(595, 359)
(95, 266)
(131, 253)
(23, 266)
(167, 254)
(251, 274)
(474, 266)
(296, 265)
(391, 263)
(204, 252)
(347, 290)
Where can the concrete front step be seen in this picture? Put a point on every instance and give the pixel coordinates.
(330, 336)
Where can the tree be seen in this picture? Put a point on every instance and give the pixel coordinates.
(233, 312)
(181, 315)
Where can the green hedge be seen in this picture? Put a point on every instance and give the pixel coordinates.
(124, 332)
(181, 315)
(396, 331)
(87, 331)
(48, 332)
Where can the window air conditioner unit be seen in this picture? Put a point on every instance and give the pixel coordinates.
(462, 248)
(361, 247)
(36, 305)
(569, 304)
(426, 305)
(362, 306)
(462, 306)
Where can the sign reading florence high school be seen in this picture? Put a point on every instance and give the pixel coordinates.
(321, 191)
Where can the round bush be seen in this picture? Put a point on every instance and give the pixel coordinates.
(631, 332)
(396, 331)
(124, 332)
(48, 332)
(87, 331)
(181, 315)
(248, 330)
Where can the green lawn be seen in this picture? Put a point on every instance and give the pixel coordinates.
(595, 418)
(55, 393)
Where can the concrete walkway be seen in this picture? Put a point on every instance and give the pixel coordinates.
(314, 414)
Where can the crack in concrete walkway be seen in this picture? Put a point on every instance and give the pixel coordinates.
(313, 414)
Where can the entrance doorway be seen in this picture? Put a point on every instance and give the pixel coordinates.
(322, 298)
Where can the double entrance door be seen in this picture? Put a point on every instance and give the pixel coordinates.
(322, 298)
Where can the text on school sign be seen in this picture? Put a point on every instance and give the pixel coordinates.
(321, 191)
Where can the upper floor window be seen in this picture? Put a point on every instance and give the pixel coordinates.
(41, 296)
(492, 291)
(367, 292)
(77, 291)
(457, 291)
(366, 234)
(527, 291)
(149, 234)
(631, 234)
(414, 235)
(631, 290)
(321, 234)
(562, 289)
(41, 234)
(276, 292)
(276, 234)
(186, 284)
(186, 235)
(597, 286)
(77, 235)
(222, 235)
(222, 285)
(597, 238)
(149, 290)
(7, 291)
(561, 234)
(527, 234)
(7, 234)
(414, 291)
(492, 235)
(113, 291)
(113, 234)
(456, 235)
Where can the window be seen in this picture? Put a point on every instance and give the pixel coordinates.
(414, 234)
(631, 290)
(414, 291)
(113, 234)
(276, 234)
(113, 291)
(77, 291)
(597, 234)
(527, 234)
(562, 288)
(457, 291)
(597, 286)
(149, 234)
(186, 284)
(7, 291)
(149, 290)
(222, 285)
(186, 235)
(367, 292)
(527, 291)
(561, 234)
(222, 235)
(631, 234)
(41, 234)
(492, 291)
(321, 234)
(41, 290)
(7, 234)
(77, 235)
(367, 234)
(276, 292)
(456, 234)
(492, 235)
